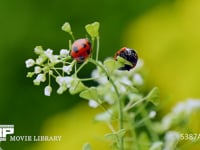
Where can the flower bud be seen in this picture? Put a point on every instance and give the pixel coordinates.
(38, 50)
(29, 63)
(93, 29)
(37, 69)
(67, 69)
(66, 27)
(64, 52)
(47, 90)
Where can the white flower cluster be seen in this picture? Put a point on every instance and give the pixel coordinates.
(180, 112)
(48, 65)
(125, 81)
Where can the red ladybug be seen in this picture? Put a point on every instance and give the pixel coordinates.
(81, 50)
(128, 54)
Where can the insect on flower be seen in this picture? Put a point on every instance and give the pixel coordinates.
(128, 55)
(81, 50)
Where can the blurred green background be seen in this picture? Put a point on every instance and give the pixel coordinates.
(165, 33)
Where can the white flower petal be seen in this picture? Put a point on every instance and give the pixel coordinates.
(60, 90)
(48, 53)
(40, 60)
(126, 80)
(38, 50)
(152, 114)
(29, 63)
(68, 81)
(93, 104)
(64, 52)
(37, 69)
(137, 78)
(67, 69)
(47, 90)
(171, 140)
(41, 77)
(60, 80)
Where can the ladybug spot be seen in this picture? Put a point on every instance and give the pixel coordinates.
(84, 45)
(81, 58)
(89, 44)
(88, 51)
(75, 49)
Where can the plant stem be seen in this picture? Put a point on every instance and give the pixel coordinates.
(97, 52)
(121, 142)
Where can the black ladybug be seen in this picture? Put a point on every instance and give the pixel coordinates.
(128, 54)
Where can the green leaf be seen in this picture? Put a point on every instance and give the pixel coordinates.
(123, 61)
(153, 96)
(111, 136)
(112, 65)
(143, 141)
(93, 29)
(76, 87)
(116, 135)
(90, 94)
(121, 133)
(87, 146)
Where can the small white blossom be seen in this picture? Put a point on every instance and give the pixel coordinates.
(29, 63)
(64, 52)
(187, 107)
(60, 80)
(167, 121)
(105, 116)
(38, 50)
(109, 98)
(101, 78)
(126, 80)
(40, 60)
(47, 90)
(93, 104)
(64, 81)
(37, 69)
(138, 79)
(41, 77)
(60, 90)
(171, 140)
(68, 81)
(122, 89)
(48, 53)
(54, 59)
(67, 69)
(157, 145)
(152, 114)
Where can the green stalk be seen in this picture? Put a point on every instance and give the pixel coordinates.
(97, 52)
(121, 142)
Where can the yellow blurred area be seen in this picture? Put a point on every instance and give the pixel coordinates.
(77, 127)
(168, 40)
